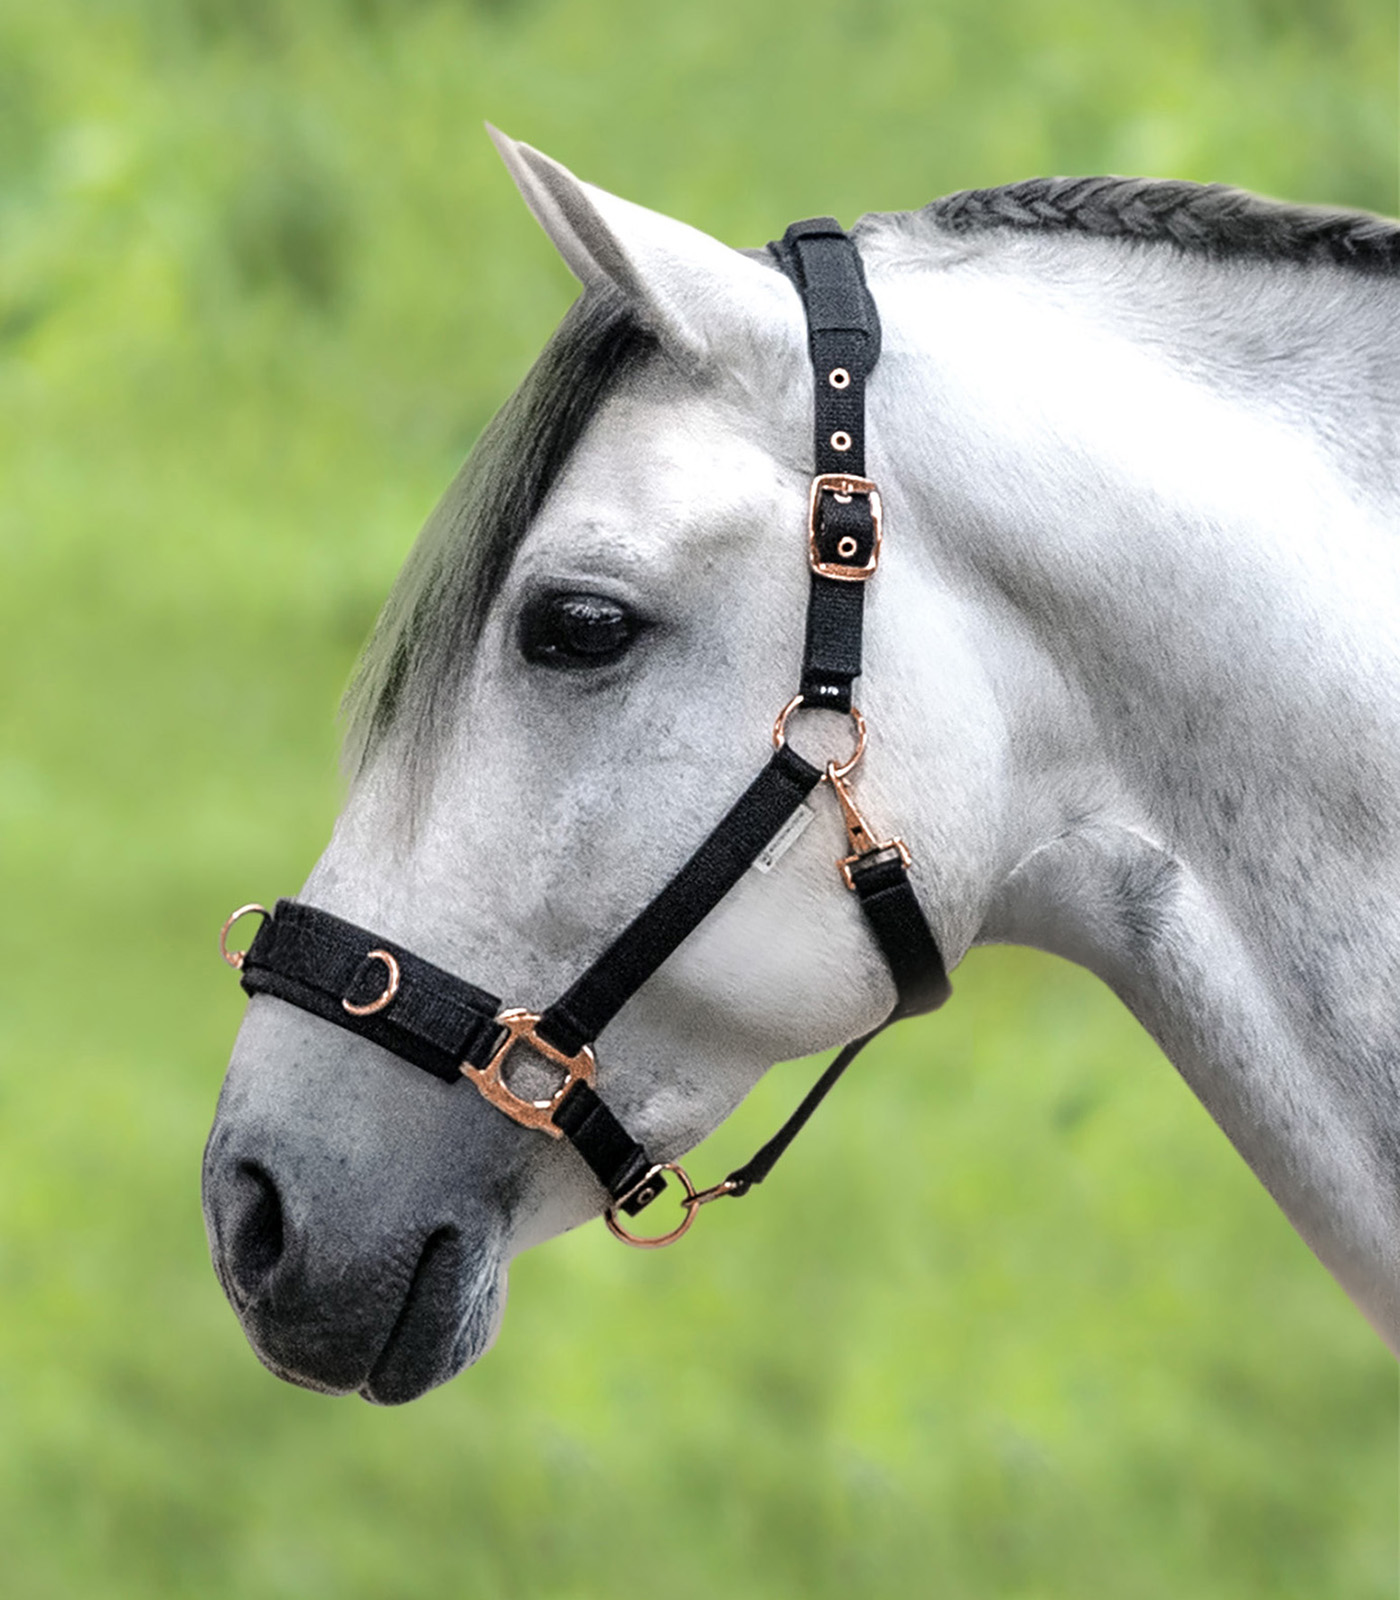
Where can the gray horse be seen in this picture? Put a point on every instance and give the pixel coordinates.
(1131, 663)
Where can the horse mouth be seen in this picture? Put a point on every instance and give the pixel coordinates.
(448, 1319)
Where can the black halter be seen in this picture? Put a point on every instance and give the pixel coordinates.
(450, 1028)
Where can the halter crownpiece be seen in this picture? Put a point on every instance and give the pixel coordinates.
(447, 1026)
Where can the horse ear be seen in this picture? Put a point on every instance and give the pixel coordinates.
(689, 289)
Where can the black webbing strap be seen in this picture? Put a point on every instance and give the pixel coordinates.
(762, 1162)
(843, 340)
(589, 1004)
(435, 1020)
(619, 1163)
(897, 921)
(916, 965)
(316, 961)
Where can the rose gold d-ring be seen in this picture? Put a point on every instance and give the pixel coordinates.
(390, 989)
(235, 957)
(691, 1201)
(842, 769)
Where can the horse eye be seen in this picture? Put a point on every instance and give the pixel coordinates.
(576, 630)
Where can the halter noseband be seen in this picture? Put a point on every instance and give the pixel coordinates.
(449, 1027)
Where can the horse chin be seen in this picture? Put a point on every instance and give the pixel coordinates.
(436, 1336)
(446, 1318)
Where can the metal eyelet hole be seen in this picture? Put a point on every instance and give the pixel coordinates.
(841, 441)
(846, 547)
(839, 378)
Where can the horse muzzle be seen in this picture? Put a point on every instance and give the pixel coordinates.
(353, 1266)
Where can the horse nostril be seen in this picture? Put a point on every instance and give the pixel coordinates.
(253, 1240)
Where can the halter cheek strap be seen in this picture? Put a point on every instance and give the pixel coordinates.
(450, 1028)
(844, 530)
(844, 536)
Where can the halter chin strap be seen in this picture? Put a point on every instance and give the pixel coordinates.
(371, 986)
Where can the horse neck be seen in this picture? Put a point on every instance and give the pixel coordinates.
(1201, 568)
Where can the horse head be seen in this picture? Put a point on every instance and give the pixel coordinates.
(572, 680)
(1126, 703)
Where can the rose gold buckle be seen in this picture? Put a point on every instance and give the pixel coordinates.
(692, 1200)
(843, 487)
(537, 1114)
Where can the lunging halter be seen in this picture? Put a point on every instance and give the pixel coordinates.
(370, 986)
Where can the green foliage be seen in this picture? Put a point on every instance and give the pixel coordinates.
(1015, 1321)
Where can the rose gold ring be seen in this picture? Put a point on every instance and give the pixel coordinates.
(692, 1200)
(235, 957)
(391, 988)
(842, 769)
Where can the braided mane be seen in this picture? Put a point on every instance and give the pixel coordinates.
(1209, 219)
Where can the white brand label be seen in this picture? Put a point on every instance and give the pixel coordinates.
(784, 839)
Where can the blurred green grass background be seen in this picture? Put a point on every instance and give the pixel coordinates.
(1014, 1321)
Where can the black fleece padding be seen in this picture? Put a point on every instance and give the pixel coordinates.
(314, 960)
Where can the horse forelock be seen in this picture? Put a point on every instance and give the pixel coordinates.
(422, 643)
